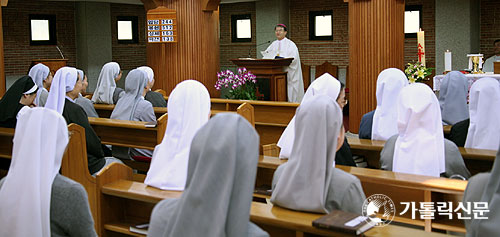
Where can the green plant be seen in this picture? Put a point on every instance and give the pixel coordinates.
(417, 72)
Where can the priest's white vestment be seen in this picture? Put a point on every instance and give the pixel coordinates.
(287, 49)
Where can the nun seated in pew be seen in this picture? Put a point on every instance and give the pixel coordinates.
(484, 187)
(420, 147)
(42, 77)
(18, 97)
(65, 88)
(453, 98)
(85, 103)
(154, 97)
(328, 85)
(106, 91)
(36, 199)
(309, 180)
(482, 130)
(380, 124)
(188, 110)
(221, 176)
(132, 106)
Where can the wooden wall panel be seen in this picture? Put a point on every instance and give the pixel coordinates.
(195, 55)
(376, 42)
(2, 63)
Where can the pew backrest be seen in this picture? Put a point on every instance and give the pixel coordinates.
(118, 192)
(75, 166)
(6, 139)
(400, 187)
(105, 110)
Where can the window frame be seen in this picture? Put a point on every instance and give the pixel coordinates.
(52, 29)
(234, 36)
(135, 29)
(312, 24)
(414, 8)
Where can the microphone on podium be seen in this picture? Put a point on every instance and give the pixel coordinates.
(60, 52)
(249, 50)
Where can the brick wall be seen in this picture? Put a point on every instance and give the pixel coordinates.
(490, 25)
(16, 32)
(429, 27)
(129, 56)
(317, 52)
(229, 50)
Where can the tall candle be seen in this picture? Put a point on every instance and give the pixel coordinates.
(421, 46)
(447, 61)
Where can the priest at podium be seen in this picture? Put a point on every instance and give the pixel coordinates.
(285, 48)
(488, 65)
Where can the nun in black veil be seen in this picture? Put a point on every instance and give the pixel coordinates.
(22, 93)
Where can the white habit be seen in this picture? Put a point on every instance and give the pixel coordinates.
(287, 49)
(488, 64)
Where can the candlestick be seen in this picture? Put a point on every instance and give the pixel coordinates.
(421, 46)
(447, 61)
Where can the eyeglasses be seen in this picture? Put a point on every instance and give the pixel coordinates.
(343, 102)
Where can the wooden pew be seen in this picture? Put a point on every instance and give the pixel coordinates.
(402, 187)
(6, 136)
(476, 160)
(124, 203)
(75, 166)
(271, 117)
(129, 133)
(399, 187)
(105, 110)
(134, 133)
(446, 129)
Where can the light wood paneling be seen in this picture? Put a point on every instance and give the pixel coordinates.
(376, 42)
(196, 54)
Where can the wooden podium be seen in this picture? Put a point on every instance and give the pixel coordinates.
(53, 64)
(269, 69)
(496, 67)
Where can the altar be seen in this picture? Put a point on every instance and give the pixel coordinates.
(470, 77)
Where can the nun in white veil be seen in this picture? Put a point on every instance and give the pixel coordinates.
(188, 110)
(326, 84)
(64, 90)
(309, 181)
(484, 110)
(389, 83)
(453, 98)
(42, 77)
(36, 200)
(106, 91)
(154, 97)
(132, 106)
(420, 146)
(220, 180)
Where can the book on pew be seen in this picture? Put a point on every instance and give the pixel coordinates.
(150, 124)
(264, 190)
(344, 221)
(140, 229)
